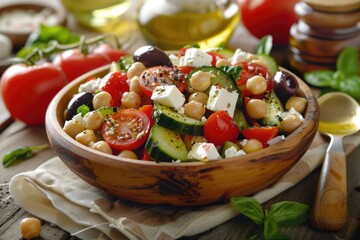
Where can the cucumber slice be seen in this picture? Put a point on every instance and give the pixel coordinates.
(177, 122)
(164, 145)
(227, 145)
(125, 62)
(240, 119)
(220, 78)
(268, 62)
(274, 110)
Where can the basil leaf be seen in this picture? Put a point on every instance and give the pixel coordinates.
(250, 207)
(265, 45)
(21, 153)
(347, 61)
(319, 78)
(351, 86)
(232, 71)
(271, 228)
(289, 214)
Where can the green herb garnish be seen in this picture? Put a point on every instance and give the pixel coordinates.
(83, 109)
(281, 214)
(345, 79)
(265, 45)
(22, 153)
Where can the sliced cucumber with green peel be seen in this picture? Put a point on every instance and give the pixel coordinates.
(240, 119)
(268, 62)
(225, 52)
(219, 78)
(164, 145)
(177, 122)
(274, 109)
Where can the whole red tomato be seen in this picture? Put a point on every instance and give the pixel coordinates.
(113, 53)
(269, 17)
(28, 90)
(74, 63)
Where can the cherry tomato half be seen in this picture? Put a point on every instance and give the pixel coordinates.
(115, 84)
(263, 134)
(74, 63)
(249, 70)
(220, 127)
(126, 129)
(161, 75)
(28, 90)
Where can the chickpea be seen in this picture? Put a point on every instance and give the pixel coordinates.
(199, 97)
(30, 228)
(290, 123)
(135, 70)
(128, 154)
(135, 85)
(222, 62)
(195, 109)
(256, 85)
(190, 140)
(251, 145)
(298, 103)
(86, 137)
(130, 100)
(102, 99)
(93, 120)
(200, 81)
(73, 127)
(102, 146)
(256, 108)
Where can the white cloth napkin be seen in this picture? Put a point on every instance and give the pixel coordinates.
(52, 192)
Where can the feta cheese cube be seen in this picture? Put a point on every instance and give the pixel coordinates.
(90, 86)
(241, 56)
(168, 95)
(222, 99)
(204, 152)
(194, 57)
(233, 152)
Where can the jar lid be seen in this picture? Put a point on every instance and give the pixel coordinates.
(334, 5)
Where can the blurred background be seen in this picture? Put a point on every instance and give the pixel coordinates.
(307, 34)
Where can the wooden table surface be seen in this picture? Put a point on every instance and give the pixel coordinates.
(14, 134)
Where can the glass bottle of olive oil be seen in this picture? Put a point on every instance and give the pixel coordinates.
(102, 16)
(172, 24)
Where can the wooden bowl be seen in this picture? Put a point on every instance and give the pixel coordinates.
(19, 36)
(180, 184)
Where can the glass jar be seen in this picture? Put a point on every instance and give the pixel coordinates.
(101, 15)
(172, 24)
(324, 29)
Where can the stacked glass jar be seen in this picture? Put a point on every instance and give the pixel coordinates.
(325, 27)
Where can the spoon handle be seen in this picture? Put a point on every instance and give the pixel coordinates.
(330, 206)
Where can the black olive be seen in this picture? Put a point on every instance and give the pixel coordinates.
(285, 85)
(83, 98)
(152, 56)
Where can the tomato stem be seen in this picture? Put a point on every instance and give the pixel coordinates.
(55, 47)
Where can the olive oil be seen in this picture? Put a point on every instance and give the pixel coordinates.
(171, 24)
(338, 128)
(102, 16)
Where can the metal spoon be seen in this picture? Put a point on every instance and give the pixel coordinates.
(339, 117)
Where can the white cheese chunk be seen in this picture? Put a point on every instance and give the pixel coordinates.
(240, 56)
(194, 57)
(222, 99)
(204, 152)
(168, 95)
(90, 86)
(233, 152)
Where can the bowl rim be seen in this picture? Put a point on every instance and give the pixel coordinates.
(311, 117)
